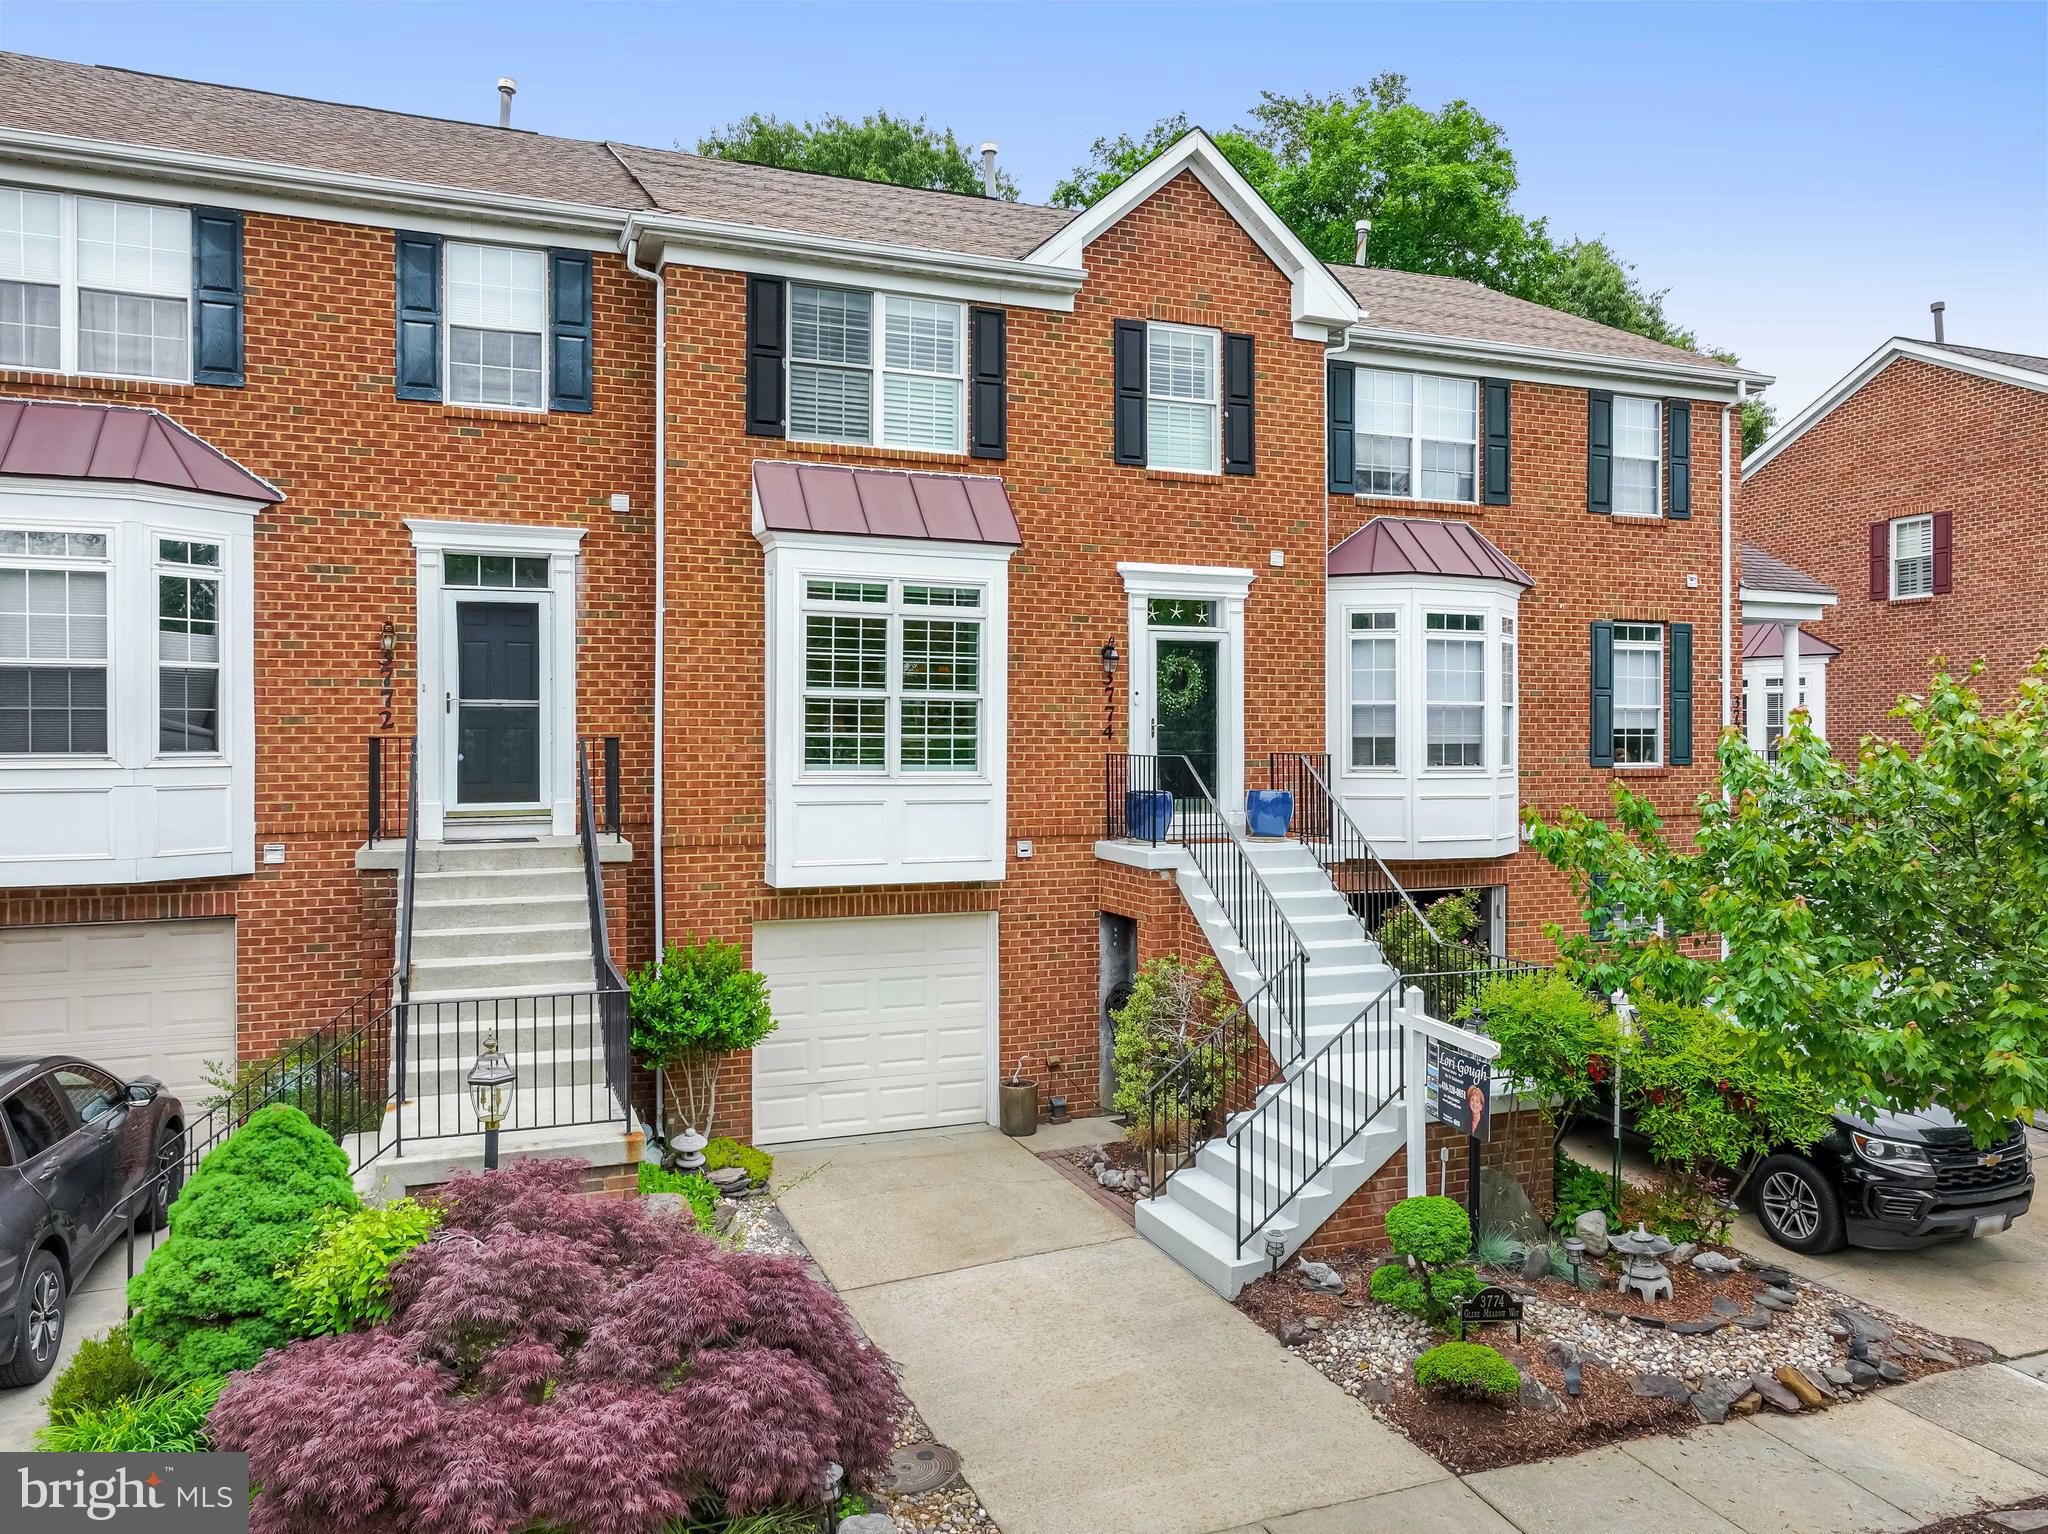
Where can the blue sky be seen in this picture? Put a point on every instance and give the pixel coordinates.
(1804, 179)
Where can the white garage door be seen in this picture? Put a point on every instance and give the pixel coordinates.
(154, 997)
(882, 1024)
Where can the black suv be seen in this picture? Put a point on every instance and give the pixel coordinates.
(1894, 1181)
(79, 1148)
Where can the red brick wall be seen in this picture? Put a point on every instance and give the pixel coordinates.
(1914, 439)
(1586, 568)
(1520, 1146)
(318, 419)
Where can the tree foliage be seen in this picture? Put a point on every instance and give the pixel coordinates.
(1171, 1009)
(210, 1300)
(1886, 923)
(690, 1008)
(900, 150)
(555, 1361)
(342, 1281)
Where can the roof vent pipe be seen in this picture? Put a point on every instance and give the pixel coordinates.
(988, 167)
(1935, 308)
(1364, 228)
(507, 89)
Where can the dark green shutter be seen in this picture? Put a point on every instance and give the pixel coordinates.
(1599, 451)
(1240, 374)
(1678, 462)
(1127, 361)
(767, 301)
(1340, 390)
(217, 297)
(418, 370)
(1680, 640)
(988, 401)
(569, 384)
(1497, 451)
(1602, 753)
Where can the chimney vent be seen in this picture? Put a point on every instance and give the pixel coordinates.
(507, 89)
(1364, 228)
(1936, 307)
(988, 167)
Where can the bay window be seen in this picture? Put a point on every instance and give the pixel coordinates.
(1183, 407)
(93, 285)
(1638, 693)
(497, 322)
(1638, 459)
(907, 393)
(891, 677)
(1510, 691)
(1418, 435)
(1375, 690)
(188, 646)
(53, 642)
(1455, 690)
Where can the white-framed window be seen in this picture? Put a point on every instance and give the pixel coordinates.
(53, 642)
(1183, 405)
(909, 392)
(188, 635)
(1375, 690)
(1913, 557)
(1638, 456)
(495, 299)
(1510, 690)
(1454, 690)
(1638, 694)
(1418, 436)
(892, 676)
(93, 285)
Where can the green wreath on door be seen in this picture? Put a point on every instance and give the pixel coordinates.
(1181, 683)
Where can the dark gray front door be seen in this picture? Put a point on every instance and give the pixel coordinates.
(497, 703)
(1185, 680)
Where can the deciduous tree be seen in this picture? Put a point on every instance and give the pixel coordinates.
(900, 150)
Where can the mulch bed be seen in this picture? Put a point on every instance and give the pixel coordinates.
(1985, 1523)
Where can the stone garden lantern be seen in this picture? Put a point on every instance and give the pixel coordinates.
(1641, 1270)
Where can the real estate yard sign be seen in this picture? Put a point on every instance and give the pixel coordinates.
(1458, 1092)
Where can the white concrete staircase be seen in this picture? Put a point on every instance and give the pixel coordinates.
(498, 919)
(1329, 1087)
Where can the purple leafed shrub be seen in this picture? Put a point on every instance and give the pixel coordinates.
(567, 1363)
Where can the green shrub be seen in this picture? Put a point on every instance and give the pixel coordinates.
(1580, 1189)
(694, 1186)
(171, 1421)
(1400, 1287)
(1405, 942)
(210, 1301)
(725, 1152)
(1172, 1008)
(1467, 1369)
(1429, 1229)
(691, 1008)
(104, 1370)
(342, 1281)
(310, 1076)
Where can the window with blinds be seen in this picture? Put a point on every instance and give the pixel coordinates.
(1375, 690)
(120, 306)
(1638, 693)
(909, 392)
(1913, 557)
(53, 642)
(1183, 413)
(892, 676)
(496, 304)
(1454, 695)
(1638, 456)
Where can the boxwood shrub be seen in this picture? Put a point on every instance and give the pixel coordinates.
(1469, 1369)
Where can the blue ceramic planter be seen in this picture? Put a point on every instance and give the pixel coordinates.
(1268, 811)
(1147, 813)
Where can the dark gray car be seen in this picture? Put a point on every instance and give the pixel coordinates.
(80, 1154)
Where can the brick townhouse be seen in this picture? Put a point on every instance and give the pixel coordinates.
(1912, 490)
(977, 524)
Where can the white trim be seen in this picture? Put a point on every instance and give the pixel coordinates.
(1861, 374)
(1227, 586)
(877, 368)
(842, 262)
(1758, 671)
(1762, 604)
(431, 539)
(1320, 300)
(1893, 528)
(1541, 364)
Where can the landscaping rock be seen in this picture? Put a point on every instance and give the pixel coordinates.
(1536, 1396)
(2022, 1520)
(1838, 1376)
(1972, 1351)
(1562, 1353)
(1935, 1355)
(1862, 1373)
(1696, 1328)
(1666, 1387)
(727, 1178)
(1292, 1333)
(1755, 1321)
(1715, 1396)
(669, 1205)
(1768, 1300)
(1724, 1306)
(1794, 1379)
(1316, 1323)
(1747, 1404)
(1862, 1328)
(1647, 1323)
(1319, 1276)
(1574, 1379)
(1377, 1392)
(1536, 1262)
(1683, 1253)
(723, 1213)
(1890, 1372)
(869, 1523)
(1591, 1228)
(1505, 1207)
(1772, 1274)
(1782, 1295)
(1774, 1393)
(1714, 1265)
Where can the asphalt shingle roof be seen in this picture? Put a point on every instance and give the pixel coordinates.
(2024, 360)
(1763, 571)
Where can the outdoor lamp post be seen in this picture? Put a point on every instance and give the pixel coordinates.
(490, 1093)
(1575, 1254)
(1625, 1015)
(1276, 1248)
(1110, 657)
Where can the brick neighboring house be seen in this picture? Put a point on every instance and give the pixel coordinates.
(1912, 488)
(959, 498)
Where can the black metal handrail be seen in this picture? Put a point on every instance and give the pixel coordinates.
(1451, 976)
(1325, 827)
(1161, 799)
(387, 797)
(1286, 1140)
(554, 1039)
(1216, 1078)
(401, 941)
(613, 1023)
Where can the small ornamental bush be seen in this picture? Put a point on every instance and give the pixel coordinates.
(1469, 1369)
(103, 1370)
(695, 1187)
(1430, 1229)
(567, 1363)
(725, 1152)
(342, 1282)
(210, 1300)
(691, 1008)
(168, 1421)
(1406, 944)
(1399, 1286)
(1173, 1007)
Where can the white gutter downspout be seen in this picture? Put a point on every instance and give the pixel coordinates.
(627, 240)
(1728, 565)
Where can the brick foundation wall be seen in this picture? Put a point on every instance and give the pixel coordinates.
(318, 418)
(1914, 439)
(1520, 1146)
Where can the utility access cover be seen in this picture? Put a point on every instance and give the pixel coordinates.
(921, 1467)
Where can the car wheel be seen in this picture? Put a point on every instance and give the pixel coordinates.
(1796, 1207)
(167, 1177)
(38, 1322)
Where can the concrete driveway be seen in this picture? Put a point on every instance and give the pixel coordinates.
(96, 1307)
(1089, 1383)
(1993, 1288)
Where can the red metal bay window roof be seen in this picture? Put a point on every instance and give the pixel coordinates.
(883, 503)
(55, 439)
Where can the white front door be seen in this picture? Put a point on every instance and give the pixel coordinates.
(138, 997)
(496, 701)
(881, 1023)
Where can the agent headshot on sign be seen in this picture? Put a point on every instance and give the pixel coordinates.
(1475, 1104)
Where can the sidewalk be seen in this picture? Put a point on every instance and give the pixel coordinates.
(95, 1309)
(1092, 1386)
